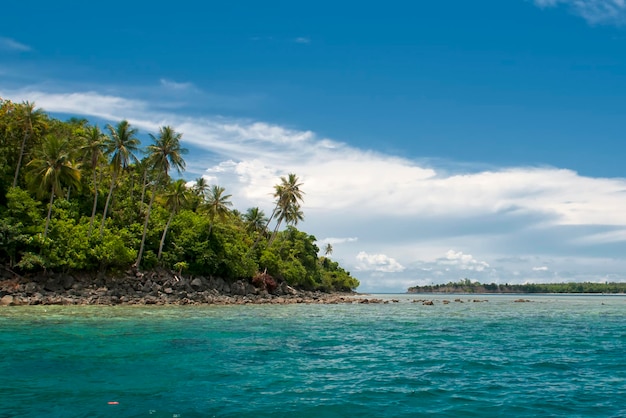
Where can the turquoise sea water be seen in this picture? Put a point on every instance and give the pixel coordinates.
(556, 356)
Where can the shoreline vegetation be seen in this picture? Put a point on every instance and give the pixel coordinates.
(92, 216)
(466, 286)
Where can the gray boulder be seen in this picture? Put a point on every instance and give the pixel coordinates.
(197, 284)
(238, 288)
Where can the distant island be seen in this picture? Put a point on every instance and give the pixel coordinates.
(467, 286)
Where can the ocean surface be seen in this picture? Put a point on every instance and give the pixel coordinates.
(558, 356)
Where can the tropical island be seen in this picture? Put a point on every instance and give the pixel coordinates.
(468, 286)
(88, 216)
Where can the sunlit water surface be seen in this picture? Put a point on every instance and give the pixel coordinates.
(554, 356)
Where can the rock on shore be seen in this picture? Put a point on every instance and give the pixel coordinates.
(158, 287)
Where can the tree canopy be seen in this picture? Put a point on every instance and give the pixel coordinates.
(59, 178)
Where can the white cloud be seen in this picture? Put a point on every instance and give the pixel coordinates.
(542, 268)
(618, 235)
(302, 40)
(377, 262)
(88, 103)
(175, 85)
(462, 261)
(251, 155)
(593, 11)
(403, 211)
(9, 44)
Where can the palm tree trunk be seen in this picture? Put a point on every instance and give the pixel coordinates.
(211, 220)
(95, 200)
(145, 224)
(167, 225)
(143, 188)
(256, 242)
(106, 205)
(271, 240)
(132, 186)
(45, 230)
(279, 220)
(19, 160)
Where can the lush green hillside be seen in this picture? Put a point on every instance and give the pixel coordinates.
(74, 197)
(467, 286)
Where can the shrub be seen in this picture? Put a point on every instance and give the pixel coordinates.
(264, 281)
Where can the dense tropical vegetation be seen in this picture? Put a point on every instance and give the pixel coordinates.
(467, 286)
(76, 198)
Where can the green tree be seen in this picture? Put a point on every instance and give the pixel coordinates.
(293, 215)
(29, 117)
(218, 205)
(201, 187)
(7, 144)
(200, 190)
(255, 220)
(12, 237)
(164, 154)
(176, 197)
(121, 145)
(294, 258)
(51, 169)
(288, 198)
(328, 249)
(333, 277)
(94, 151)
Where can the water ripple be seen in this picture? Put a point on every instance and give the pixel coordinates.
(555, 356)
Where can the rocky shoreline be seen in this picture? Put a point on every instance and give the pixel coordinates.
(159, 287)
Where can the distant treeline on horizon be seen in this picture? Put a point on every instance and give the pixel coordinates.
(467, 286)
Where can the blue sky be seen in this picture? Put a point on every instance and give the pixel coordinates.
(435, 140)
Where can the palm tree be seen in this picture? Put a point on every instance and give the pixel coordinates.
(164, 154)
(94, 150)
(288, 197)
(145, 173)
(175, 198)
(217, 204)
(28, 117)
(51, 168)
(255, 220)
(293, 215)
(199, 189)
(328, 249)
(122, 146)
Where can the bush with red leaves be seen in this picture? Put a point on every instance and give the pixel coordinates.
(264, 281)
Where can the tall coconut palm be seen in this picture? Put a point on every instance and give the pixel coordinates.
(28, 118)
(217, 204)
(328, 249)
(165, 154)
(255, 220)
(199, 190)
(288, 197)
(176, 197)
(145, 173)
(121, 145)
(201, 187)
(293, 215)
(94, 151)
(52, 168)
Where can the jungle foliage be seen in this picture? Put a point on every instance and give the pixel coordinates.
(74, 197)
